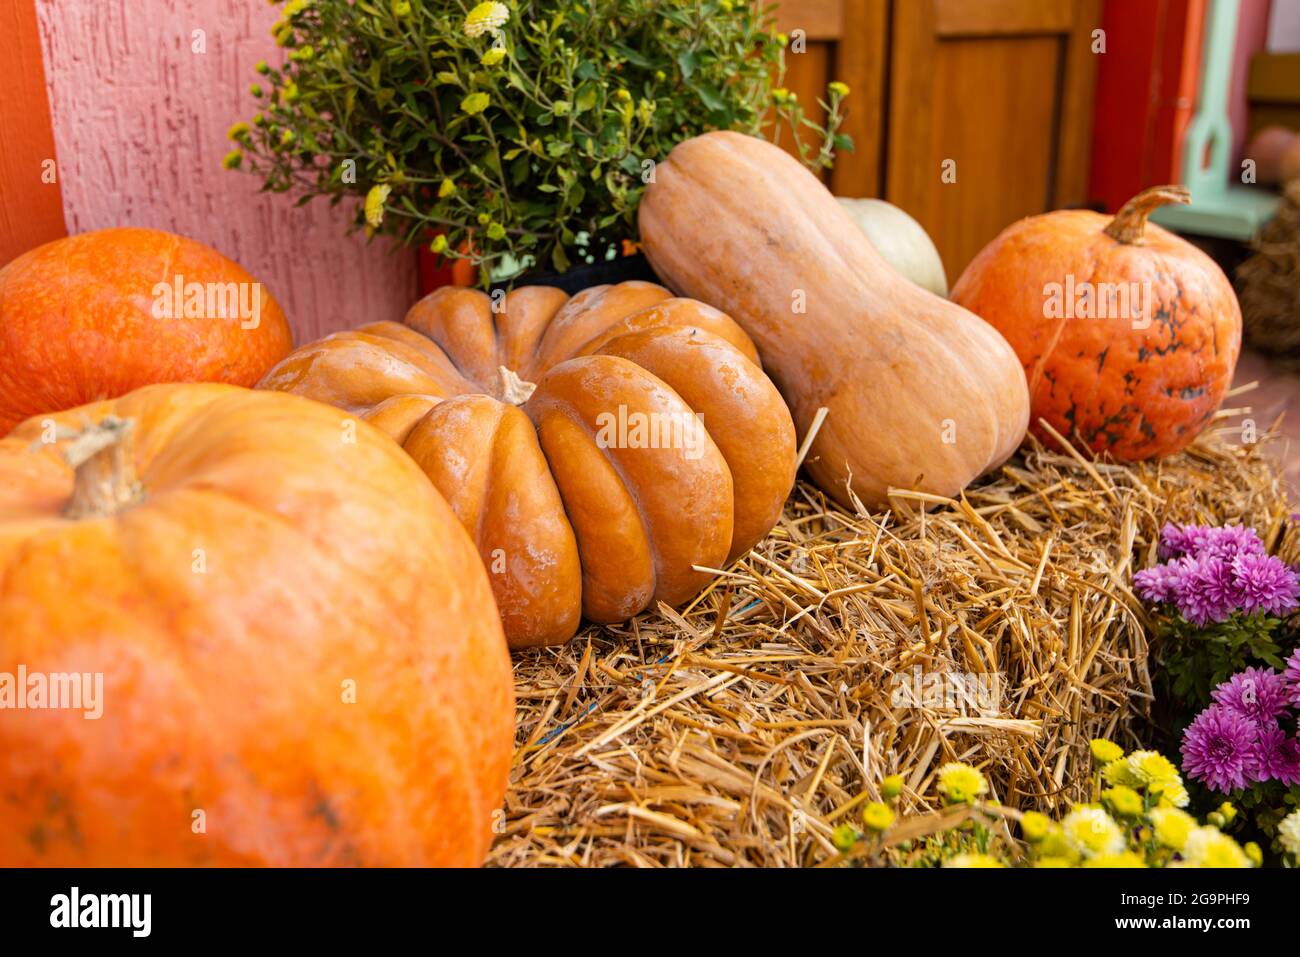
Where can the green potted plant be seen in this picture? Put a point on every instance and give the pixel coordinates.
(518, 135)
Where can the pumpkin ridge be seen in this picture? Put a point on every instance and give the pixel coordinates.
(567, 410)
(640, 517)
(634, 489)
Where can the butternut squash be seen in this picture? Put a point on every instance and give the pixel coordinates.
(920, 393)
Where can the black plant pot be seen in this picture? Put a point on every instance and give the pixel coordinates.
(578, 278)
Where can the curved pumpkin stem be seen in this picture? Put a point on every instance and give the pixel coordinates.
(1130, 222)
(105, 480)
(515, 390)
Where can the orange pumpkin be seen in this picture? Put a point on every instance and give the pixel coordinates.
(597, 448)
(96, 315)
(1129, 335)
(298, 668)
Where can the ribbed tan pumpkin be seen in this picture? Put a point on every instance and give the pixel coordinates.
(921, 393)
(564, 434)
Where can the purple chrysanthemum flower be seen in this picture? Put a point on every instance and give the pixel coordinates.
(1292, 676)
(1266, 584)
(1201, 541)
(1260, 694)
(1277, 757)
(1208, 591)
(1160, 584)
(1219, 749)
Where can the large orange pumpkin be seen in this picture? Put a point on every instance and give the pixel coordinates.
(564, 434)
(96, 315)
(300, 660)
(1129, 335)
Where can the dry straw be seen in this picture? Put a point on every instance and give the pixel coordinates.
(742, 729)
(1268, 283)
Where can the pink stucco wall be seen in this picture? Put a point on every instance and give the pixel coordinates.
(140, 124)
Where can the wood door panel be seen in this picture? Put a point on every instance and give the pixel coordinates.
(992, 117)
(1003, 88)
(846, 41)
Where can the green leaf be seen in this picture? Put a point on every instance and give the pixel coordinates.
(686, 62)
(586, 98)
(709, 96)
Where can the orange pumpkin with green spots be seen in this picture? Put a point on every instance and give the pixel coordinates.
(1129, 335)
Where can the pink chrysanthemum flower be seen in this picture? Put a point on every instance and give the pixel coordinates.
(1208, 591)
(1219, 749)
(1292, 676)
(1260, 694)
(1265, 583)
(1201, 541)
(1160, 584)
(1277, 757)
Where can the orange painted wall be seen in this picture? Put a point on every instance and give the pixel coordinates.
(31, 209)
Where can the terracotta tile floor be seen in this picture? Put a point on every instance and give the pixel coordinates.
(1278, 392)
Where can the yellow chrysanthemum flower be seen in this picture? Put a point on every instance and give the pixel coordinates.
(1172, 826)
(1123, 800)
(1035, 826)
(439, 244)
(1054, 844)
(1119, 772)
(844, 837)
(232, 159)
(960, 783)
(1228, 812)
(1091, 831)
(238, 132)
(891, 787)
(1169, 793)
(1210, 847)
(475, 103)
(877, 816)
(838, 88)
(1122, 859)
(1288, 833)
(493, 56)
(1254, 852)
(375, 200)
(401, 8)
(289, 92)
(1054, 862)
(973, 860)
(446, 188)
(496, 231)
(1152, 767)
(1105, 751)
(486, 18)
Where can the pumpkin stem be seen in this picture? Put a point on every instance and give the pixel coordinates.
(105, 480)
(1130, 222)
(515, 390)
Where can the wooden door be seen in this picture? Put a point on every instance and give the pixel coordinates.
(842, 40)
(999, 94)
